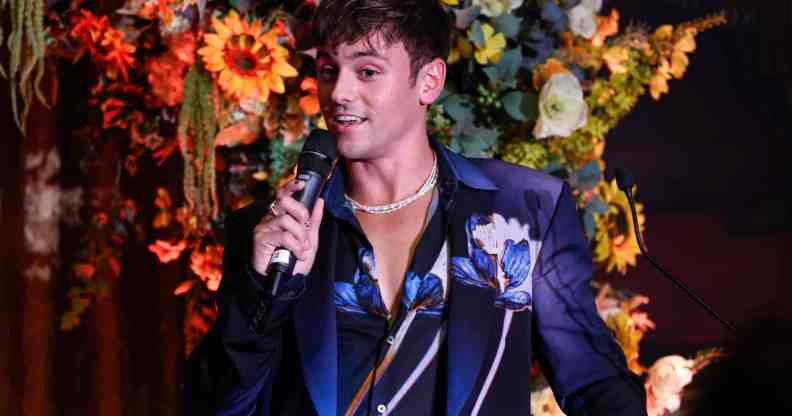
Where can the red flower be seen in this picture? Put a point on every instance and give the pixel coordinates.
(167, 252)
(208, 265)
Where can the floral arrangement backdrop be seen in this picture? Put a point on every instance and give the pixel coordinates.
(229, 88)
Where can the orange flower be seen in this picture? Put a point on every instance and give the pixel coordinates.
(245, 131)
(84, 271)
(89, 29)
(546, 71)
(163, 199)
(111, 109)
(119, 54)
(167, 252)
(606, 26)
(249, 64)
(309, 103)
(165, 75)
(101, 218)
(208, 265)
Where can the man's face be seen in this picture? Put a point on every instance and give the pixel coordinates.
(368, 99)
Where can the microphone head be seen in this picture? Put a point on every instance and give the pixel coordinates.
(624, 179)
(322, 142)
(319, 153)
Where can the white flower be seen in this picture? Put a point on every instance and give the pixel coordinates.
(667, 377)
(543, 403)
(492, 239)
(592, 6)
(582, 22)
(562, 108)
(493, 8)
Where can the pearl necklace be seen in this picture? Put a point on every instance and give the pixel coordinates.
(430, 183)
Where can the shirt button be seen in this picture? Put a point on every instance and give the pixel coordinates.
(381, 408)
(391, 339)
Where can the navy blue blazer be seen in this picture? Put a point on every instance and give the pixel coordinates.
(496, 325)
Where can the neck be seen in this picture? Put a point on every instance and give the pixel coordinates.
(392, 177)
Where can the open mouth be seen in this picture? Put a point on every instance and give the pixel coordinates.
(348, 120)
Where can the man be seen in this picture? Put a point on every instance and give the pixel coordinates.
(431, 278)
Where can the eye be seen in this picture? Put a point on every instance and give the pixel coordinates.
(327, 72)
(368, 73)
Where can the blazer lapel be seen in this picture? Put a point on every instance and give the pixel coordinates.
(315, 325)
(471, 312)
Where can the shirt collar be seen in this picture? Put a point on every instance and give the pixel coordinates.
(453, 170)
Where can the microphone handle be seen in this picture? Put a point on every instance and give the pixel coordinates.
(282, 262)
(680, 284)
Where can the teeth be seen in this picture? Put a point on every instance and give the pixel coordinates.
(348, 119)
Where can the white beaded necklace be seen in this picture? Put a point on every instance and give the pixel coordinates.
(430, 182)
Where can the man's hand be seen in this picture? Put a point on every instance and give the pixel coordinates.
(292, 228)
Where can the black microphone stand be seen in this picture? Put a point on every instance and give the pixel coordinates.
(626, 182)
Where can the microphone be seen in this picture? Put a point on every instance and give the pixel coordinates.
(315, 166)
(626, 181)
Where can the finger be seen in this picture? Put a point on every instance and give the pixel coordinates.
(290, 188)
(289, 242)
(294, 208)
(292, 226)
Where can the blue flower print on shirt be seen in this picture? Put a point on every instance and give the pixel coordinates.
(423, 294)
(490, 239)
(362, 296)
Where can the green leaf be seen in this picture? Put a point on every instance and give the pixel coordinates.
(596, 205)
(459, 108)
(464, 17)
(476, 35)
(492, 74)
(508, 24)
(530, 105)
(587, 177)
(470, 140)
(508, 66)
(512, 103)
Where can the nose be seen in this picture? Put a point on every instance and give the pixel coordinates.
(344, 88)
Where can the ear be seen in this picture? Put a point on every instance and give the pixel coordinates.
(431, 81)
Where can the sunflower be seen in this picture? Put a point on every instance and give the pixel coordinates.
(248, 64)
(616, 242)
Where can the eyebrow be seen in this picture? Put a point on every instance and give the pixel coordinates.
(367, 53)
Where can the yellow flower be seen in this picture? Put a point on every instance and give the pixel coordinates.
(659, 83)
(663, 32)
(248, 64)
(679, 59)
(462, 50)
(615, 59)
(493, 46)
(451, 2)
(628, 337)
(616, 242)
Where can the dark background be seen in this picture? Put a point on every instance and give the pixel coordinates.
(710, 160)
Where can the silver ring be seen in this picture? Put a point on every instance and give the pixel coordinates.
(273, 207)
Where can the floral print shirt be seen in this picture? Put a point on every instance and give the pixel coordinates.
(385, 362)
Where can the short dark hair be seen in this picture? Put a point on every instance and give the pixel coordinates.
(421, 25)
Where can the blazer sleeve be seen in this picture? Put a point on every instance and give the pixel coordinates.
(575, 348)
(233, 368)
